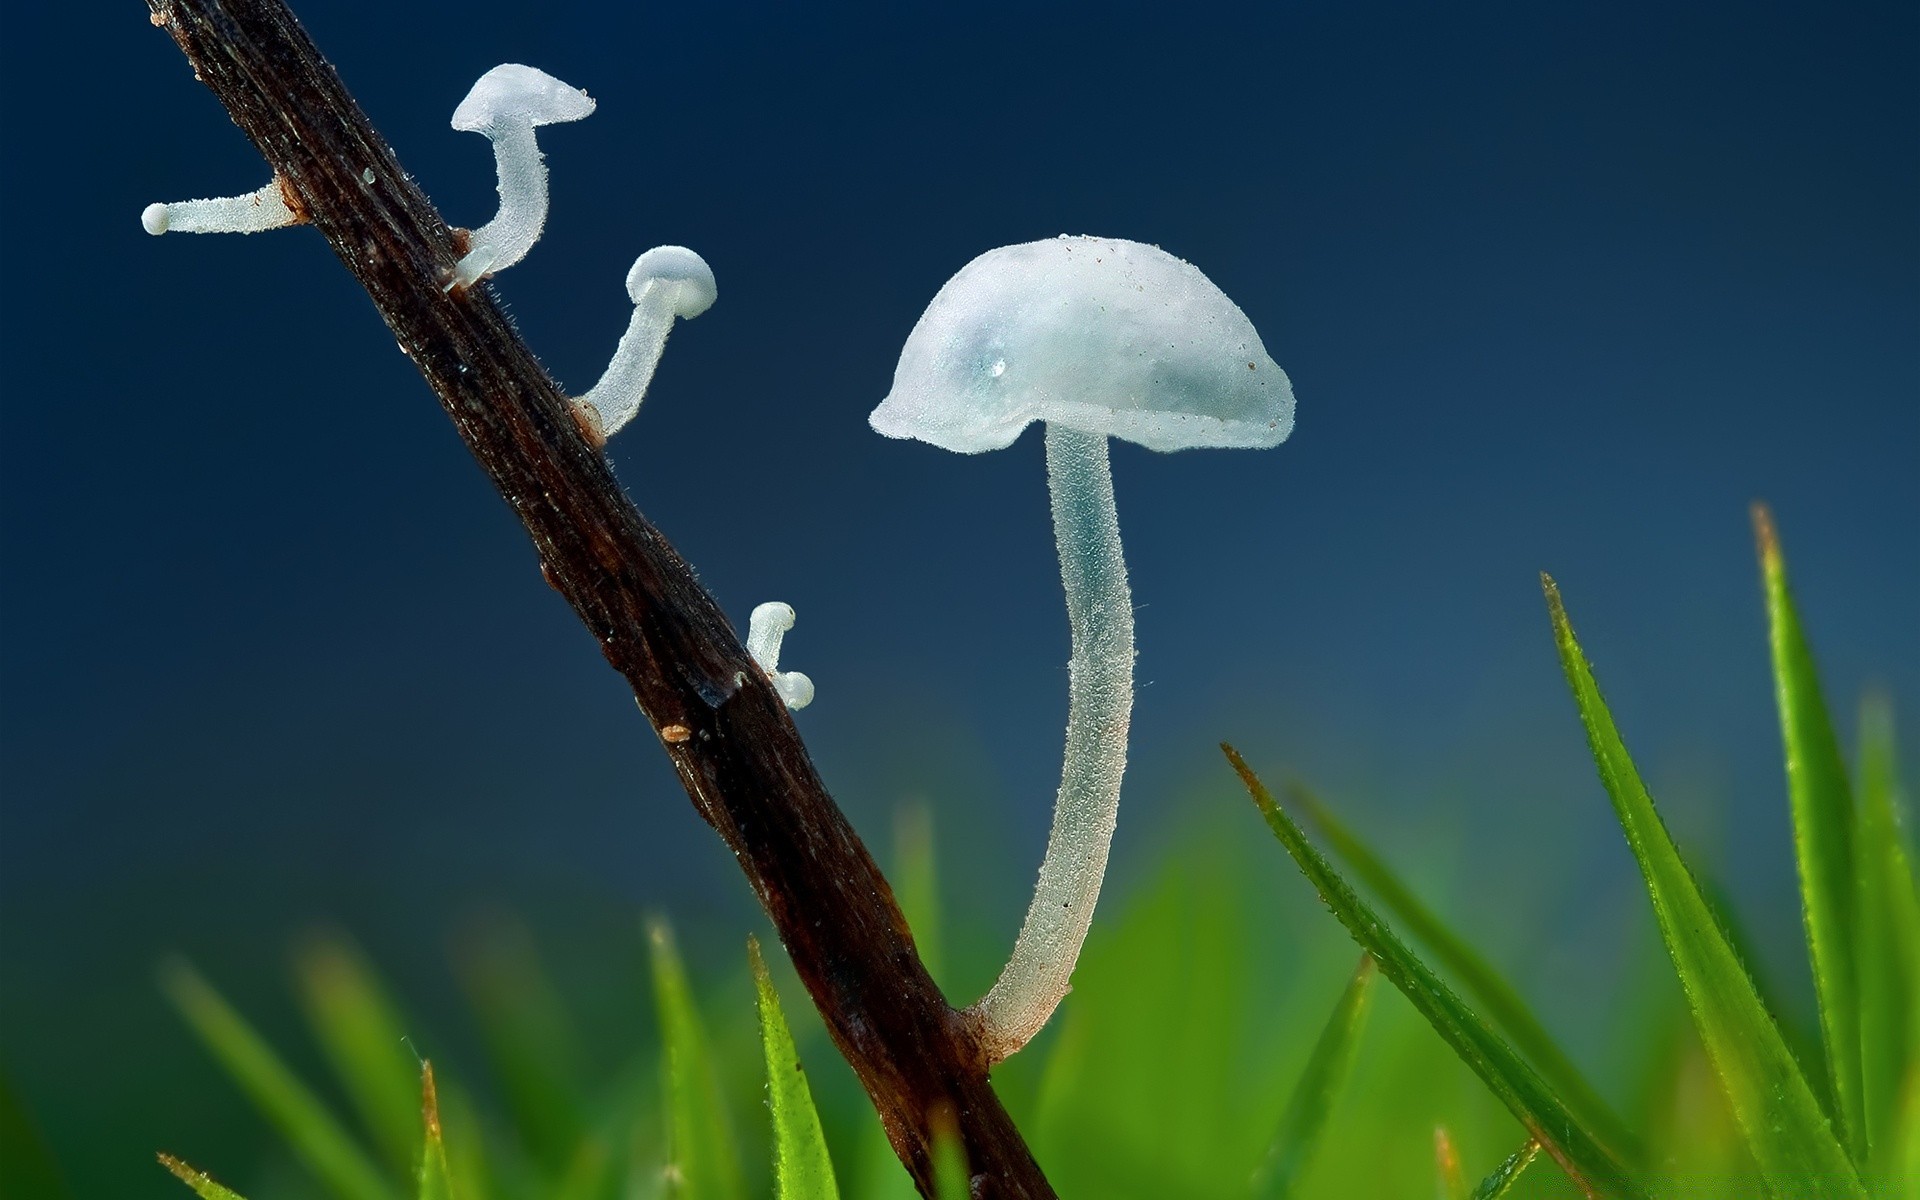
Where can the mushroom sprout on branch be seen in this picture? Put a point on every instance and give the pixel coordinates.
(257, 211)
(506, 105)
(1097, 338)
(766, 628)
(664, 283)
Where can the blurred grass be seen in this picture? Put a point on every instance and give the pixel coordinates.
(1197, 1056)
(1321, 1083)
(1455, 955)
(1542, 1111)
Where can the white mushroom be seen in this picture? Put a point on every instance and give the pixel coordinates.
(507, 104)
(1098, 338)
(252, 213)
(766, 628)
(665, 282)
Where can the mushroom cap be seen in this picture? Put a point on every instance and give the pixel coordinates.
(518, 94)
(1099, 334)
(686, 276)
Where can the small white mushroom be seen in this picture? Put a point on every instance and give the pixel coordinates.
(256, 211)
(1098, 338)
(665, 282)
(506, 105)
(766, 628)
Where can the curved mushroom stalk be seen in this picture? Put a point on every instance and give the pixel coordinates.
(506, 105)
(1100, 705)
(665, 282)
(255, 212)
(766, 629)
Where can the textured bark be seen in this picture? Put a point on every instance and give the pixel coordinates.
(729, 736)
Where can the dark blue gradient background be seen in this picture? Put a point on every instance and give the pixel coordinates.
(1559, 287)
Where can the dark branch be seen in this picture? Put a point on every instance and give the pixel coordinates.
(729, 736)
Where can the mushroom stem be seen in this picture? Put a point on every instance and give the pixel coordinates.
(766, 629)
(522, 172)
(1100, 691)
(666, 282)
(616, 398)
(263, 209)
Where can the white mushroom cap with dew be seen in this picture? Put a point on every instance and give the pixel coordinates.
(1100, 334)
(1098, 338)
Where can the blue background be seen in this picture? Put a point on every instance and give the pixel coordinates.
(1559, 287)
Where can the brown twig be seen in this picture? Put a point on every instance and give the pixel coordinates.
(728, 734)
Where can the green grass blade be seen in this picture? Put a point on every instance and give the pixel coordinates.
(1906, 1147)
(469, 1170)
(315, 1135)
(917, 882)
(703, 1149)
(587, 1175)
(435, 1178)
(530, 1041)
(952, 1178)
(1822, 836)
(802, 1168)
(875, 1171)
(1544, 1115)
(1887, 936)
(1507, 1173)
(361, 1034)
(1476, 976)
(1321, 1082)
(1784, 1124)
(203, 1184)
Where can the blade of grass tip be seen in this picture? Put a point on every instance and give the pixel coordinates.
(1887, 932)
(530, 1040)
(1822, 835)
(1502, 1004)
(202, 1184)
(1507, 1173)
(436, 1180)
(360, 1032)
(316, 1136)
(1782, 1121)
(1446, 1161)
(704, 1153)
(802, 1168)
(917, 881)
(1329, 1065)
(952, 1178)
(1581, 1154)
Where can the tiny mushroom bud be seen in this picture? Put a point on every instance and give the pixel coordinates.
(506, 105)
(259, 210)
(665, 282)
(1097, 338)
(766, 628)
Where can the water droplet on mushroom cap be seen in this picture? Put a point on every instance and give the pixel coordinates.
(1101, 334)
